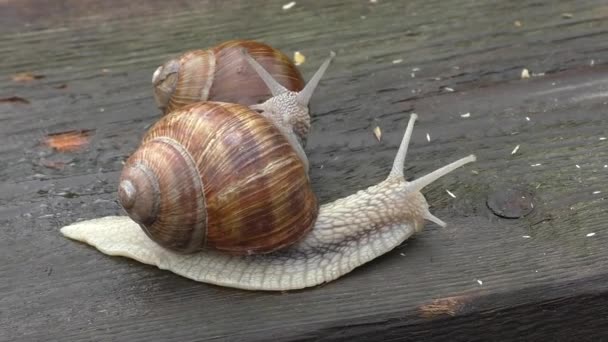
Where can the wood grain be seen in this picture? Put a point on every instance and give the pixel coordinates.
(496, 284)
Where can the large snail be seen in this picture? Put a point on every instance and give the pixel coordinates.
(314, 244)
(222, 74)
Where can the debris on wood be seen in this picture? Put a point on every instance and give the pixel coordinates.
(428, 137)
(451, 90)
(378, 133)
(69, 141)
(592, 63)
(61, 86)
(289, 5)
(525, 74)
(26, 77)
(52, 164)
(515, 149)
(299, 58)
(597, 192)
(590, 234)
(577, 166)
(511, 203)
(527, 118)
(450, 193)
(567, 15)
(517, 23)
(14, 99)
(479, 282)
(602, 138)
(465, 115)
(526, 236)
(397, 61)
(537, 164)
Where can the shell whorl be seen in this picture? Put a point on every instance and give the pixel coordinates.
(161, 190)
(253, 188)
(182, 81)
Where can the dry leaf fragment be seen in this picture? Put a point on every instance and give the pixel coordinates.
(69, 141)
(14, 99)
(448, 306)
(299, 58)
(378, 133)
(26, 77)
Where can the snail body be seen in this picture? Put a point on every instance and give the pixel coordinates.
(346, 234)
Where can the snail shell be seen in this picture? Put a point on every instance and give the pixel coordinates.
(218, 176)
(222, 74)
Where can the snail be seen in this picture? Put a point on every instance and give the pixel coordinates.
(219, 175)
(343, 235)
(222, 74)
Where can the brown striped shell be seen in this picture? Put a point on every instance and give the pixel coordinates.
(222, 74)
(219, 176)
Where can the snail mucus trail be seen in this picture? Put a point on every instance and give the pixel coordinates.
(347, 233)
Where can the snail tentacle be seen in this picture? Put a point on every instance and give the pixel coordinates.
(288, 108)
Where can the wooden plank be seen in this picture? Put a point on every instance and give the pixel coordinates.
(548, 286)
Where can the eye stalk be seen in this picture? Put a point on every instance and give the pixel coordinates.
(287, 108)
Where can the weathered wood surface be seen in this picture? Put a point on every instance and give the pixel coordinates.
(477, 279)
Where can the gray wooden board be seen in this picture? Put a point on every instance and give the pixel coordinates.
(477, 279)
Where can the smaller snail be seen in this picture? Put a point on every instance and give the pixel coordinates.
(223, 74)
(345, 234)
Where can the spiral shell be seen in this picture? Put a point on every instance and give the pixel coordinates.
(222, 74)
(218, 176)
